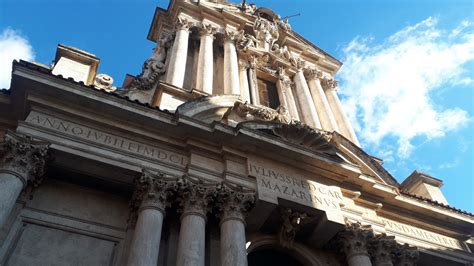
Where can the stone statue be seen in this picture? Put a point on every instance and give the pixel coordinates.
(245, 40)
(266, 32)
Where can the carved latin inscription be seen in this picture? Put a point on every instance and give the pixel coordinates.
(107, 139)
(273, 184)
(421, 234)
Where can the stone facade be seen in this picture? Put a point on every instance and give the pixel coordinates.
(229, 148)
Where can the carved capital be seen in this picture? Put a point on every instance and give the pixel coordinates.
(207, 29)
(243, 65)
(329, 84)
(253, 60)
(297, 62)
(406, 255)
(153, 191)
(292, 222)
(183, 24)
(354, 239)
(312, 74)
(230, 35)
(234, 202)
(195, 197)
(23, 157)
(382, 249)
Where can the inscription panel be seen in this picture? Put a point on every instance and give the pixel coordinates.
(418, 233)
(102, 138)
(273, 183)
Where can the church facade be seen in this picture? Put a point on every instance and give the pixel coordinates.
(230, 147)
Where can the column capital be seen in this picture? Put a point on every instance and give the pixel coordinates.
(183, 24)
(313, 74)
(234, 202)
(194, 197)
(283, 77)
(298, 63)
(207, 30)
(23, 157)
(153, 191)
(382, 248)
(329, 84)
(230, 35)
(353, 240)
(407, 255)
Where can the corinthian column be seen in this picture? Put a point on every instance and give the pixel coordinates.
(284, 86)
(343, 123)
(382, 248)
(233, 205)
(179, 53)
(151, 197)
(353, 241)
(326, 117)
(231, 65)
(22, 160)
(308, 110)
(205, 69)
(194, 200)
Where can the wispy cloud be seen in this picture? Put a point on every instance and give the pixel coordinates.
(12, 46)
(387, 86)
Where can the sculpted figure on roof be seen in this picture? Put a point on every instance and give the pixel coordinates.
(266, 32)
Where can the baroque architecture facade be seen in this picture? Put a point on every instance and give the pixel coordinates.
(230, 147)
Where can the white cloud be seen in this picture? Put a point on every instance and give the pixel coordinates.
(12, 46)
(387, 86)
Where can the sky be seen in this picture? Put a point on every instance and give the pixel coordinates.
(407, 80)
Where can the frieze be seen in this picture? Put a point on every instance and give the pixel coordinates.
(273, 184)
(107, 139)
(418, 233)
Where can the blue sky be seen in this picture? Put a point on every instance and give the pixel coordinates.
(407, 82)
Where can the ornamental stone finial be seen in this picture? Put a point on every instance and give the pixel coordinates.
(234, 202)
(183, 24)
(354, 239)
(382, 249)
(153, 191)
(194, 196)
(23, 157)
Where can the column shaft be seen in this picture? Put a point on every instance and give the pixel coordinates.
(205, 69)
(233, 252)
(253, 86)
(308, 110)
(326, 117)
(191, 241)
(359, 260)
(10, 188)
(231, 68)
(244, 83)
(179, 54)
(342, 121)
(145, 246)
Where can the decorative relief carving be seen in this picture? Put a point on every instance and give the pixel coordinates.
(292, 221)
(24, 157)
(234, 202)
(266, 32)
(245, 41)
(104, 82)
(231, 35)
(195, 196)
(297, 62)
(153, 191)
(284, 78)
(382, 249)
(263, 113)
(354, 239)
(154, 66)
